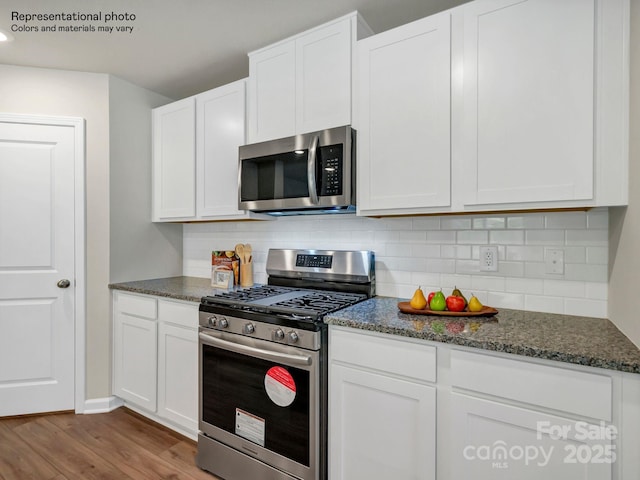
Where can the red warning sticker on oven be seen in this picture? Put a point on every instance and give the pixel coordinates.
(280, 386)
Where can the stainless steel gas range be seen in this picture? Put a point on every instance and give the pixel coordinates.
(263, 365)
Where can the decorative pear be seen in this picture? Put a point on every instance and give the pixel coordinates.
(438, 302)
(474, 304)
(418, 301)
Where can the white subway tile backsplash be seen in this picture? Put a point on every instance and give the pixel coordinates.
(441, 252)
(441, 237)
(531, 221)
(597, 255)
(455, 223)
(598, 218)
(545, 237)
(506, 300)
(566, 220)
(506, 237)
(539, 303)
(586, 307)
(474, 237)
(489, 223)
(560, 288)
(586, 272)
(595, 238)
(528, 286)
(524, 254)
(597, 290)
(426, 223)
(488, 283)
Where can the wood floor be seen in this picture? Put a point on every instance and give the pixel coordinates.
(119, 445)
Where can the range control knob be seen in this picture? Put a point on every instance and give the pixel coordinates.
(249, 328)
(223, 322)
(212, 320)
(293, 337)
(279, 334)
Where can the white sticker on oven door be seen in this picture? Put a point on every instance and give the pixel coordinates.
(280, 386)
(250, 427)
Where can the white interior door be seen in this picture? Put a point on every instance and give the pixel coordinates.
(37, 188)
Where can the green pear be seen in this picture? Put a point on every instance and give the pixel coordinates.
(438, 302)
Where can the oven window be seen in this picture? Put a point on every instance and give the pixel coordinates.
(232, 381)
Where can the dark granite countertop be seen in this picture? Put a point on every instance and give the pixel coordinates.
(594, 342)
(191, 289)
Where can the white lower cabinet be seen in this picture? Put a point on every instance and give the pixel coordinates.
(495, 441)
(155, 366)
(382, 423)
(178, 363)
(135, 349)
(498, 416)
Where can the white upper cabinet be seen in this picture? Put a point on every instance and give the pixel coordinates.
(523, 105)
(404, 132)
(174, 134)
(529, 100)
(220, 130)
(195, 156)
(303, 83)
(272, 93)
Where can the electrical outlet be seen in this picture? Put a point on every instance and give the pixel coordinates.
(488, 259)
(554, 261)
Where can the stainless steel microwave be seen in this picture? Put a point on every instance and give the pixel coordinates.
(307, 173)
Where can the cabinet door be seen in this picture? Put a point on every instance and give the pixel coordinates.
(528, 101)
(380, 427)
(220, 117)
(174, 194)
(403, 120)
(135, 362)
(272, 86)
(494, 441)
(178, 375)
(323, 78)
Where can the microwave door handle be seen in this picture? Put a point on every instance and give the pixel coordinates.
(311, 169)
(298, 360)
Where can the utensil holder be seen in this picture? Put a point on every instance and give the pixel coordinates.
(246, 274)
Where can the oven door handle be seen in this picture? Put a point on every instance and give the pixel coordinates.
(247, 350)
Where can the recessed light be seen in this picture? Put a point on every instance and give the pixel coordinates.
(5, 36)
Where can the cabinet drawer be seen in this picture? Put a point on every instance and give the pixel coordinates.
(580, 393)
(138, 306)
(384, 353)
(183, 314)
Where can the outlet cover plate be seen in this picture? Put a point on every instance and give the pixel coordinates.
(489, 259)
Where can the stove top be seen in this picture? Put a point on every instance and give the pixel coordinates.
(297, 302)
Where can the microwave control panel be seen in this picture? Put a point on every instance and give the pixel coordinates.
(331, 170)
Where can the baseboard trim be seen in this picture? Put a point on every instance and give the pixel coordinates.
(102, 405)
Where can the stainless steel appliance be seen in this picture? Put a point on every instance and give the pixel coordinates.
(308, 173)
(263, 365)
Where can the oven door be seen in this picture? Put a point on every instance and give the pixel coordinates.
(262, 399)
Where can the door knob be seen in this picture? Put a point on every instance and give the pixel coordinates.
(64, 283)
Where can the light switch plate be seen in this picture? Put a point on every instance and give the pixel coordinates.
(554, 261)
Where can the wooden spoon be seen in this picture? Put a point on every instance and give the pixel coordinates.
(240, 252)
(247, 252)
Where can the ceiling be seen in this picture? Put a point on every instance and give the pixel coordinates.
(181, 47)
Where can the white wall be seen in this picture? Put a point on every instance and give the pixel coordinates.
(442, 252)
(139, 249)
(625, 222)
